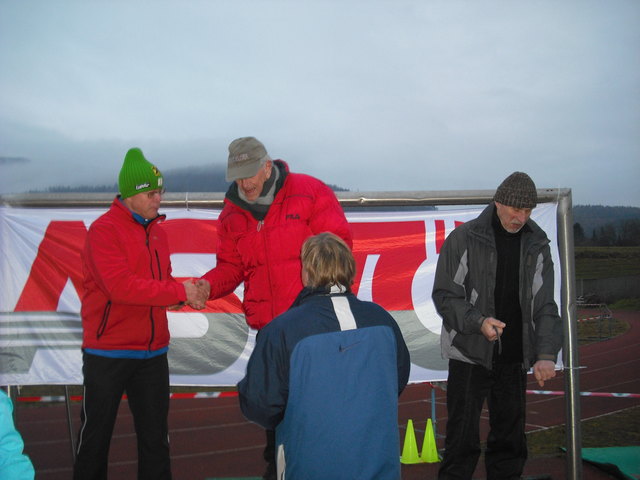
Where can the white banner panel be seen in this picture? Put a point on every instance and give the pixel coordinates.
(41, 276)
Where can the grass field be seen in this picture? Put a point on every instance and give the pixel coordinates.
(605, 262)
(619, 429)
(616, 430)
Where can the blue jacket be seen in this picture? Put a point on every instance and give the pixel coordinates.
(330, 391)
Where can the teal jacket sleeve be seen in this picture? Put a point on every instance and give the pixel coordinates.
(14, 464)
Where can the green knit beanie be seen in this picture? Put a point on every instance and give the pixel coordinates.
(138, 175)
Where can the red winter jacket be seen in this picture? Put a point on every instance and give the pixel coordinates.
(266, 255)
(127, 283)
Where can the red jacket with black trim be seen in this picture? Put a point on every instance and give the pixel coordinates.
(127, 283)
(265, 255)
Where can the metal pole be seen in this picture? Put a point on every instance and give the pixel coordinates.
(434, 420)
(570, 350)
(194, 200)
(216, 199)
(433, 409)
(67, 401)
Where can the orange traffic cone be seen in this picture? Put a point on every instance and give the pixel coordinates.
(429, 449)
(410, 448)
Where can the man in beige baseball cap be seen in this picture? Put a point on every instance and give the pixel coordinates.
(269, 212)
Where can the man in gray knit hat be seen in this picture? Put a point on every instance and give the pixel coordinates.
(494, 290)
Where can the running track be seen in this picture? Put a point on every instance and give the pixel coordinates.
(210, 437)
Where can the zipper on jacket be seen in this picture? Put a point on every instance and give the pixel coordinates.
(153, 276)
(159, 265)
(103, 323)
(259, 225)
(153, 328)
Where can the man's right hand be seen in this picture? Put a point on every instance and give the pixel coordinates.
(197, 292)
(492, 328)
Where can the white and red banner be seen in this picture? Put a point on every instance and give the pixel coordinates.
(41, 283)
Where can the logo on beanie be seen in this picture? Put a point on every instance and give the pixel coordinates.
(143, 185)
(155, 170)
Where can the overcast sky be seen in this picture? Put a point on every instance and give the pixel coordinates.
(368, 95)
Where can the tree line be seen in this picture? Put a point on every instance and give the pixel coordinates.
(625, 233)
(184, 179)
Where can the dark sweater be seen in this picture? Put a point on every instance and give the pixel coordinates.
(507, 293)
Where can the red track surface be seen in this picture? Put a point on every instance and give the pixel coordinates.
(210, 438)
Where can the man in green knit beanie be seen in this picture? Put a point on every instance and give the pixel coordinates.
(128, 286)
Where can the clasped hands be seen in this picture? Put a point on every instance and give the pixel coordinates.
(197, 291)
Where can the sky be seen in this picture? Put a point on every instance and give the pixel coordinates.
(375, 95)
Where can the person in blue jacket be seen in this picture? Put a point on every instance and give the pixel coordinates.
(14, 464)
(326, 374)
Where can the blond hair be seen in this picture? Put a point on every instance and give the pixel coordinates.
(327, 260)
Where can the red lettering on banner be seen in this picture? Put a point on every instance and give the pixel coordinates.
(58, 259)
(441, 232)
(401, 246)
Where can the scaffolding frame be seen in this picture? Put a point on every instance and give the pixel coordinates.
(418, 199)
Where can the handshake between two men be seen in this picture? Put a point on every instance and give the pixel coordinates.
(197, 291)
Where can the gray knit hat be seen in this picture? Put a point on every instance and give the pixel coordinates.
(517, 190)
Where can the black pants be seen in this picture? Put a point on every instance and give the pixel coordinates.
(146, 383)
(468, 386)
(269, 455)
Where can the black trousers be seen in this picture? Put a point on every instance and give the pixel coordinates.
(504, 388)
(269, 455)
(146, 383)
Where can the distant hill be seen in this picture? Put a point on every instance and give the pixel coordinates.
(197, 179)
(592, 217)
(185, 179)
(204, 179)
(12, 160)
